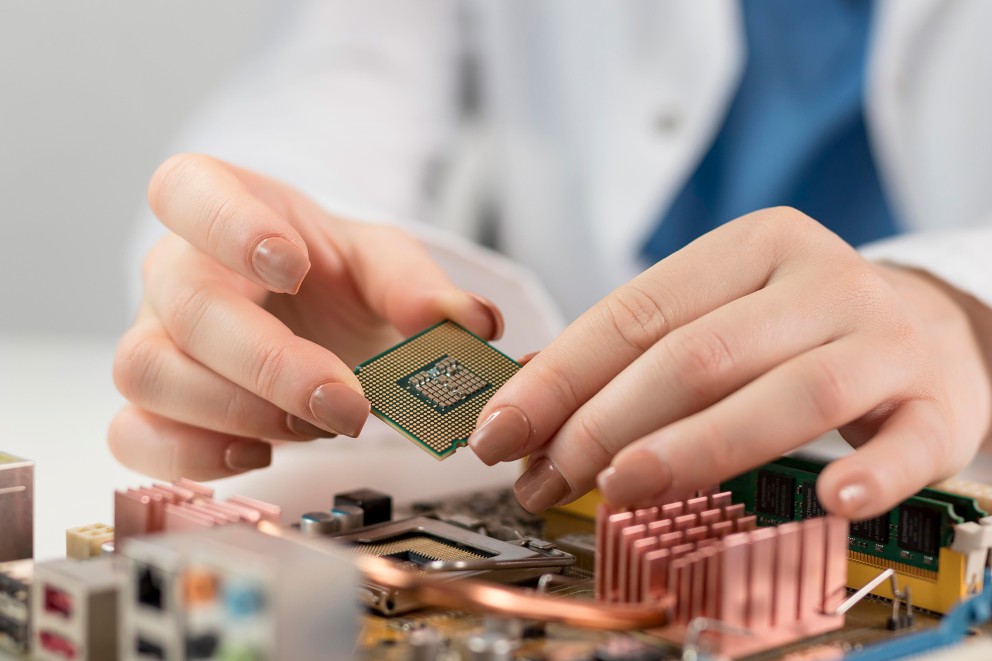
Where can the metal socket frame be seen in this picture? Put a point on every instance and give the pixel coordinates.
(515, 563)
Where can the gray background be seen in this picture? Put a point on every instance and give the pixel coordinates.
(90, 93)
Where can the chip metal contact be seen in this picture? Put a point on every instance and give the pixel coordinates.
(433, 386)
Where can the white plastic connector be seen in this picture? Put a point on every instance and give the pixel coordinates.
(973, 540)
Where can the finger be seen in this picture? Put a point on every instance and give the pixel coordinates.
(688, 370)
(692, 367)
(155, 375)
(404, 285)
(204, 201)
(722, 266)
(526, 358)
(787, 407)
(168, 450)
(911, 450)
(246, 345)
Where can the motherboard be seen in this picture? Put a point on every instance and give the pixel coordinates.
(752, 568)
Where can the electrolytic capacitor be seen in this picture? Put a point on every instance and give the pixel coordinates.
(350, 517)
(318, 524)
(425, 644)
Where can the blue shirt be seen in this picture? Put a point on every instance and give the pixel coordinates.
(795, 132)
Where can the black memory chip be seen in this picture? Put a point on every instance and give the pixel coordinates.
(919, 529)
(775, 495)
(876, 530)
(811, 507)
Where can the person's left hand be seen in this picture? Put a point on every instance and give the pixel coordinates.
(746, 344)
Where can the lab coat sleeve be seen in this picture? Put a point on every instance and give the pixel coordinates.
(960, 257)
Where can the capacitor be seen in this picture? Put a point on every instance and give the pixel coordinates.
(350, 517)
(497, 642)
(625, 648)
(489, 647)
(425, 644)
(318, 524)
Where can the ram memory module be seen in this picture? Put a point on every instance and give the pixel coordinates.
(913, 538)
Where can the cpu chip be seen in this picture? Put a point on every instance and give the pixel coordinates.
(433, 386)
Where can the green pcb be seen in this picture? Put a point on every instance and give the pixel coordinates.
(912, 533)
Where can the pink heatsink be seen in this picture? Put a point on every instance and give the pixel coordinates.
(184, 505)
(775, 584)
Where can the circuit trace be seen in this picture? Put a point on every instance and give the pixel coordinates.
(433, 386)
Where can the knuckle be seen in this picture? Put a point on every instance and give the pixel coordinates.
(186, 311)
(154, 262)
(779, 229)
(563, 389)
(717, 449)
(220, 216)
(636, 317)
(702, 357)
(136, 363)
(268, 369)
(933, 440)
(236, 411)
(149, 264)
(825, 386)
(786, 220)
(121, 434)
(772, 222)
(590, 435)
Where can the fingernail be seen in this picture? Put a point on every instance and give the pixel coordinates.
(634, 476)
(527, 358)
(500, 435)
(300, 426)
(248, 455)
(853, 498)
(497, 316)
(541, 486)
(280, 264)
(339, 409)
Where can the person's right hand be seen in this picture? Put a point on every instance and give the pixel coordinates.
(255, 310)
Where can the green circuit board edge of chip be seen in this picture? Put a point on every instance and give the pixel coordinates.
(432, 386)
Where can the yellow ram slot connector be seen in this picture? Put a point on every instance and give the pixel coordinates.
(932, 591)
(584, 507)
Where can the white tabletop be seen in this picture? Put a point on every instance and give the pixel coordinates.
(57, 398)
(56, 401)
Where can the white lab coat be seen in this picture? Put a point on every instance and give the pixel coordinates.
(594, 115)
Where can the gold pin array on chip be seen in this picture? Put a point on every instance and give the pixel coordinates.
(433, 386)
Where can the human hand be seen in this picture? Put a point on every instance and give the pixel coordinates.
(255, 310)
(751, 341)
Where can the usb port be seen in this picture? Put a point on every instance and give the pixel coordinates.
(57, 601)
(56, 644)
(148, 649)
(16, 631)
(149, 587)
